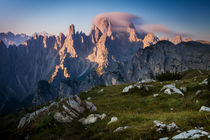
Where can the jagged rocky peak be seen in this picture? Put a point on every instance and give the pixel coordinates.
(104, 25)
(95, 34)
(187, 39)
(70, 42)
(71, 30)
(60, 39)
(61, 36)
(133, 37)
(177, 39)
(150, 39)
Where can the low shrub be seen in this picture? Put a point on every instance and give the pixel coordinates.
(167, 76)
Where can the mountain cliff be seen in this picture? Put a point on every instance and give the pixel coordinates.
(161, 57)
(77, 62)
(76, 56)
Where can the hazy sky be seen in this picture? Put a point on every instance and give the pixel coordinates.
(53, 16)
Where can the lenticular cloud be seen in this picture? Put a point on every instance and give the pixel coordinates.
(119, 20)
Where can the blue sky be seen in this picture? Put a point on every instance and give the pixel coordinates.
(54, 16)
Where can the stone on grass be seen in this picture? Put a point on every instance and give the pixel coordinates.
(31, 116)
(61, 118)
(165, 138)
(92, 118)
(198, 92)
(204, 108)
(204, 82)
(121, 128)
(155, 95)
(126, 89)
(90, 106)
(161, 126)
(75, 105)
(113, 119)
(184, 89)
(100, 91)
(171, 89)
(191, 134)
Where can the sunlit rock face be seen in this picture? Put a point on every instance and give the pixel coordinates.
(177, 39)
(187, 39)
(150, 39)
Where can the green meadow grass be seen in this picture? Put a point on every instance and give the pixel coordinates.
(137, 109)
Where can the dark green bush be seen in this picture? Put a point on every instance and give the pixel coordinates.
(166, 76)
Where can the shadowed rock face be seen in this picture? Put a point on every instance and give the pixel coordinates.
(44, 92)
(161, 57)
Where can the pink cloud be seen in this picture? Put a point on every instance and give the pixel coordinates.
(161, 30)
(119, 20)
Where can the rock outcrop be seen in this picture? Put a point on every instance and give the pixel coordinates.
(149, 39)
(66, 110)
(177, 39)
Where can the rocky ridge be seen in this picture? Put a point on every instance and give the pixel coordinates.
(77, 62)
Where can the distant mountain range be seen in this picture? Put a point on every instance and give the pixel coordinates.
(13, 39)
(67, 65)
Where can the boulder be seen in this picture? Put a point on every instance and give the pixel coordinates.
(191, 134)
(126, 89)
(204, 82)
(92, 118)
(61, 118)
(121, 129)
(171, 89)
(90, 106)
(161, 126)
(165, 138)
(113, 119)
(204, 108)
(155, 95)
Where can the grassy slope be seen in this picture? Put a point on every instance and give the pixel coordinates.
(137, 109)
